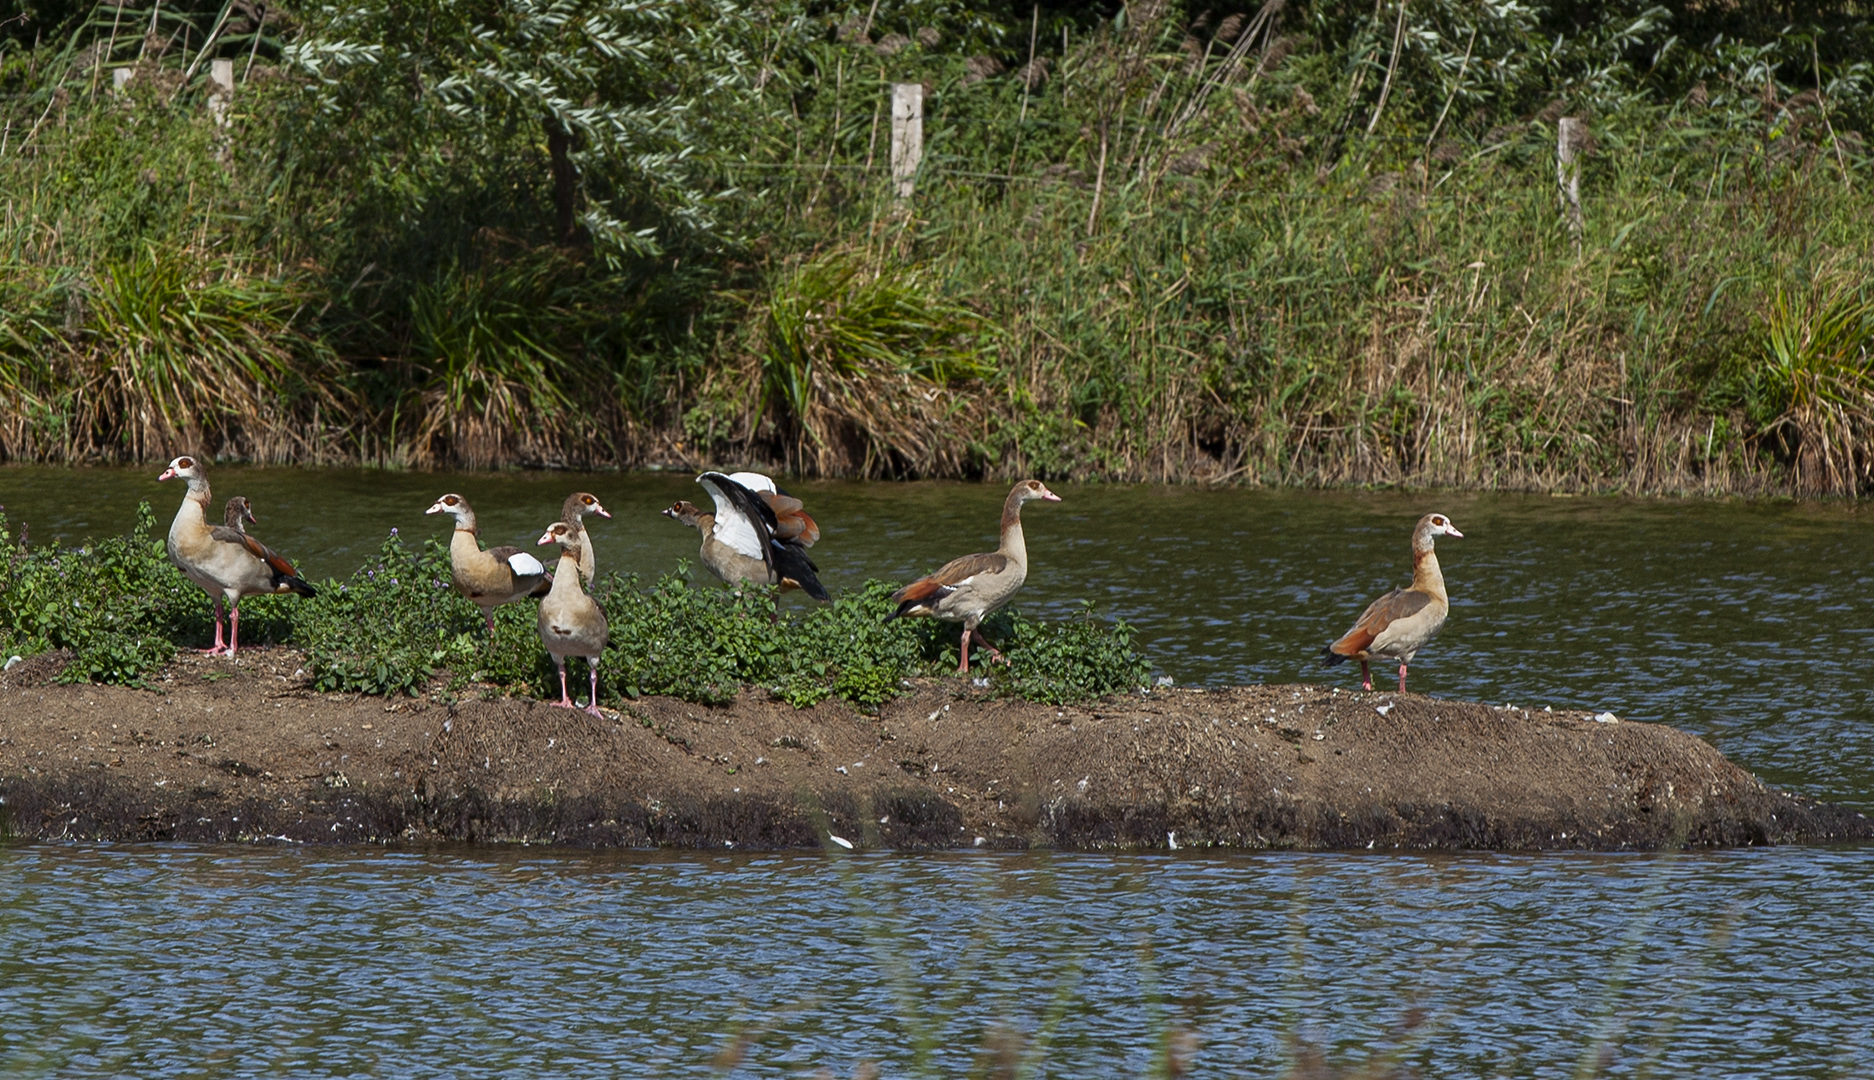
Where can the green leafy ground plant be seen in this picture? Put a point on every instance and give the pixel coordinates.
(395, 626)
(118, 605)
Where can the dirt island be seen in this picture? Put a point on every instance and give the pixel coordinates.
(247, 750)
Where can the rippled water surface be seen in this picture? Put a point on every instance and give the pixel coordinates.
(174, 961)
(1750, 624)
(1747, 623)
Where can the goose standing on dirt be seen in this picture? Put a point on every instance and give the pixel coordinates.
(226, 562)
(969, 589)
(493, 577)
(1397, 625)
(757, 534)
(571, 622)
(573, 513)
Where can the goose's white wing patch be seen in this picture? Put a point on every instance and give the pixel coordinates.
(732, 525)
(754, 481)
(525, 565)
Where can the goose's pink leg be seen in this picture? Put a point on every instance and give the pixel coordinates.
(234, 627)
(1366, 677)
(1402, 678)
(995, 654)
(220, 646)
(565, 701)
(592, 703)
(490, 616)
(964, 667)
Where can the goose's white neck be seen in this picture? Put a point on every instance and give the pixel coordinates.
(566, 579)
(1014, 545)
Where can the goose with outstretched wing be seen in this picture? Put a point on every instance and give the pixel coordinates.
(757, 534)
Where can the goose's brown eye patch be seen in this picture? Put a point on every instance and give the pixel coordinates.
(185, 463)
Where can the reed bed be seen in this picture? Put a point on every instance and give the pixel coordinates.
(1265, 246)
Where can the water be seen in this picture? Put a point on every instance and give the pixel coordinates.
(1746, 623)
(172, 961)
(1749, 624)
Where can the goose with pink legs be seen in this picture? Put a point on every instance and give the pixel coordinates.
(571, 622)
(1399, 624)
(226, 562)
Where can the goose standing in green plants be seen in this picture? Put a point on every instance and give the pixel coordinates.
(968, 590)
(571, 622)
(489, 578)
(226, 562)
(1399, 624)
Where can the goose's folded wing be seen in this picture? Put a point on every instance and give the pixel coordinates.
(950, 575)
(275, 561)
(1395, 605)
(793, 567)
(521, 562)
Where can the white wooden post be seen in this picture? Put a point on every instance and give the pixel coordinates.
(907, 135)
(1570, 134)
(221, 91)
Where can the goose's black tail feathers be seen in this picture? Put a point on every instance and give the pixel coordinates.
(791, 564)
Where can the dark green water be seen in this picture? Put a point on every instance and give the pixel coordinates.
(1749, 624)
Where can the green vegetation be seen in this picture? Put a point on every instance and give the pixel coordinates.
(1304, 243)
(119, 605)
(395, 626)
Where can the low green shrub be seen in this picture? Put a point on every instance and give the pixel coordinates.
(396, 624)
(705, 644)
(1073, 660)
(118, 604)
(392, 625)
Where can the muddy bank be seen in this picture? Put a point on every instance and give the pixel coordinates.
(245, 750)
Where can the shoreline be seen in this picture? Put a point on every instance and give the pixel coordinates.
(244, 751)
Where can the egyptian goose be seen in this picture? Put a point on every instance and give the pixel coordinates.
(573, 513)
(755, 535)
(571, 622)
(493, 577)
(968, 589)
(226, 562)
(1398, 625)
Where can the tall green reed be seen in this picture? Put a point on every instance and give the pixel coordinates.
(1315, 246)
